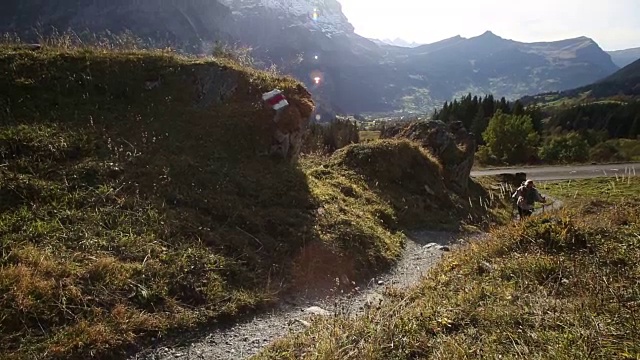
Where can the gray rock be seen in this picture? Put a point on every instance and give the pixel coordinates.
(301, 322)
(374, 300)
(316, 310)
(486, 266)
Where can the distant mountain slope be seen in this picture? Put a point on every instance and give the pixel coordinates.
(491, 64)
(630, 72)
(624, 82)
(623, 58)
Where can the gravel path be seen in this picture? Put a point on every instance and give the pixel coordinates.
(423, 249)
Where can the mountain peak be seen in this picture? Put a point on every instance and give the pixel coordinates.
(489, 34)
(488, 38)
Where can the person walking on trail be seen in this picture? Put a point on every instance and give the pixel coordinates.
(526, 197)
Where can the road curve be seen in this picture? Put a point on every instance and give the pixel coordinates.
(566, 172)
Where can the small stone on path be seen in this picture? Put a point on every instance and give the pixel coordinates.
(316, 310)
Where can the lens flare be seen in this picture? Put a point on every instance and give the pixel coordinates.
(316, 76)
(315, 15)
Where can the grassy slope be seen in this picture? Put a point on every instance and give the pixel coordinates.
(562, 286)
(126, 212)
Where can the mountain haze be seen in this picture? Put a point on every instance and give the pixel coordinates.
(314, 39)
(625, 81)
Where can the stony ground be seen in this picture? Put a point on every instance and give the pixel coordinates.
(423, 249)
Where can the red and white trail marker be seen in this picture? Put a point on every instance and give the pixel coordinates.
(275, 98)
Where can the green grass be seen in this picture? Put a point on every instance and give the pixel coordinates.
(576, 192)
(559, 286)
(129, 212)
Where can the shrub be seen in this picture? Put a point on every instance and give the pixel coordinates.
(568, 148)
(510, 138)
(605, 152)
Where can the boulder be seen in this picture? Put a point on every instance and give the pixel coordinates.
(451, 143)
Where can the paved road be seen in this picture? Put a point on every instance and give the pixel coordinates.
(567, 172)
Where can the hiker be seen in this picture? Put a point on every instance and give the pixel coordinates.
(526, 196)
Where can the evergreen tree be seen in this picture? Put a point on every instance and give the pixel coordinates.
(489, 105)
(503, 106)
(518, 108)
(479, 125)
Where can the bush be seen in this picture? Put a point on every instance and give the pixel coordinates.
(606, 152)
(510, 138)
(568, 148)
(485, 157)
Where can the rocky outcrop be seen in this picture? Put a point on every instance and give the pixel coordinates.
(218, 86)
(290, 126)
(451, 143)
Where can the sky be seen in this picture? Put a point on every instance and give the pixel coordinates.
(613, 24)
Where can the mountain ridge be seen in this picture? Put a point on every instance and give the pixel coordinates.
(346, 73)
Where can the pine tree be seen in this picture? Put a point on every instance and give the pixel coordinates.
(479, 125)
(518, 108)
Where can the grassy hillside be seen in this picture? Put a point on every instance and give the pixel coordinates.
(136, 200)
(559, 286)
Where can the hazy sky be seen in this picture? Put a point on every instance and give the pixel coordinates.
(614, 24)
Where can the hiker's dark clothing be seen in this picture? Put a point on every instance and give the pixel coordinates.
(525, 200)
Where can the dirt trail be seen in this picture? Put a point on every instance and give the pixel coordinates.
(423, 249)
